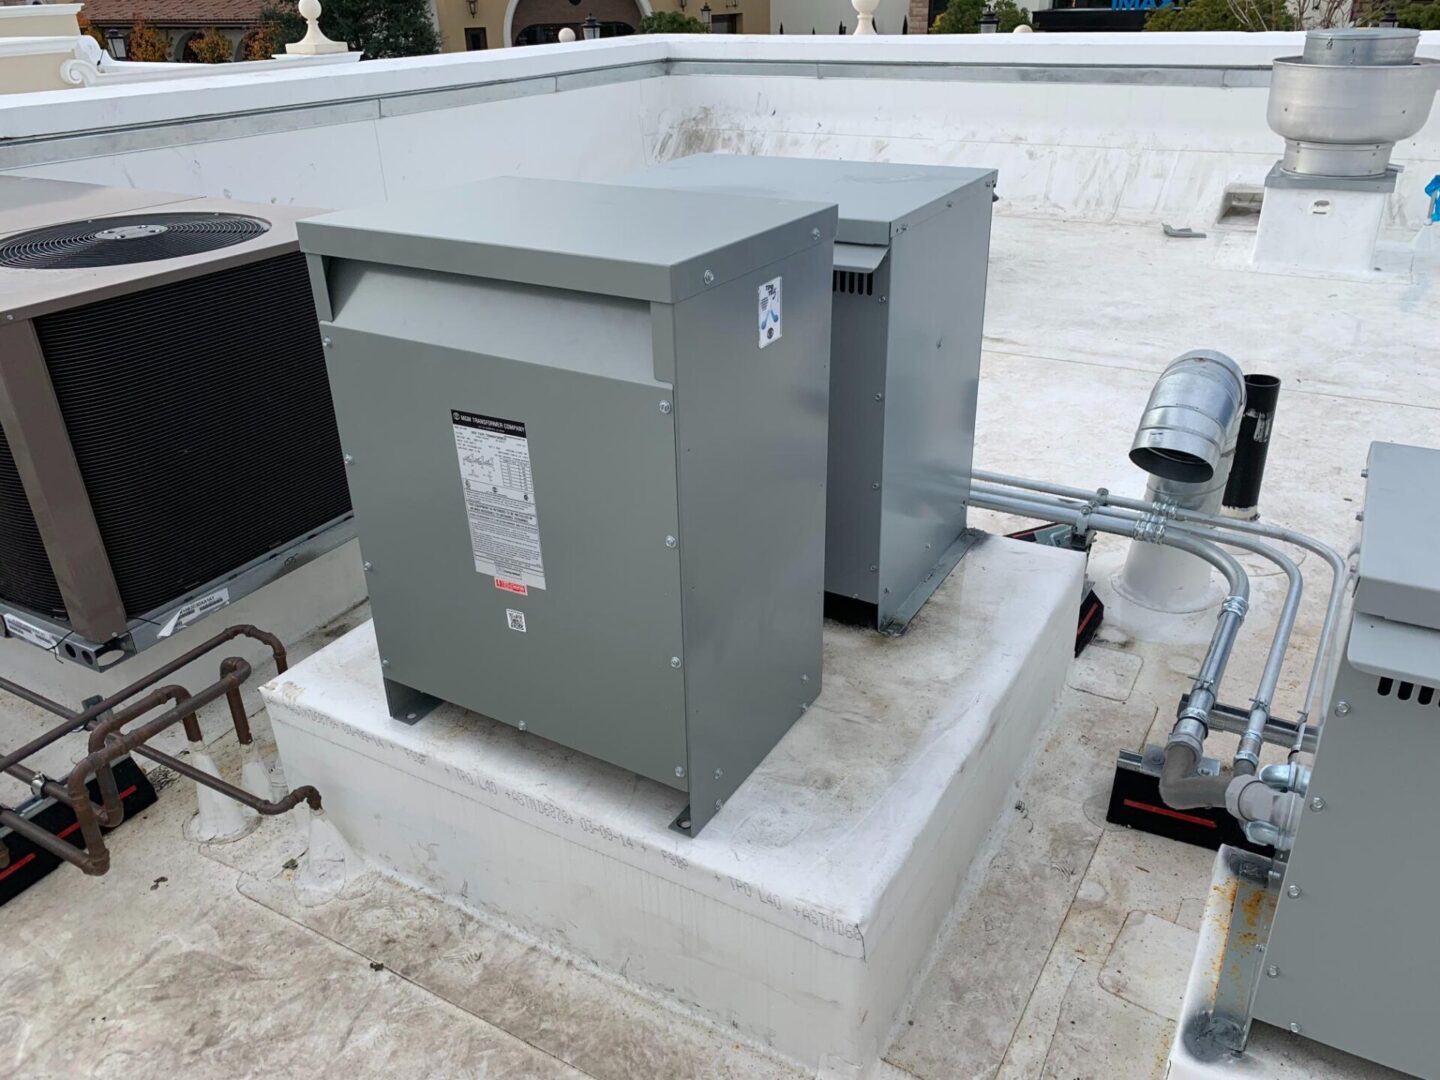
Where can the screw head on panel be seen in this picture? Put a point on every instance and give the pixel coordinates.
(522, 725)
(814, 234)
(326, 342)
(719, 803)
(384, 662)
(670, 541)
(349, 459)
(1293, 891)
(1342, 708)
(879, 397)
(1317, 803)
(875, 487)
(674, 661)
(884, 299)
(680, 770)
(1364, 474)
(664, 406)
(709, 277)
(1294, 1028)
(367, 566)
(804, 678)
(1360, 515)
(1272, 971)
(719, 773)
(873, 568)
(9, 318)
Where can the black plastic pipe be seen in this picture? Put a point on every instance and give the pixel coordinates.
(1242, 492)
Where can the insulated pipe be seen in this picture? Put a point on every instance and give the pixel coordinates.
(1186, 442)
(1247, 758)
(1338, 567)
(1242, 491)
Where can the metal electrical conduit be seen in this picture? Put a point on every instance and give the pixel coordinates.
(1333, 558)
(1179, 786)
(1247, 756)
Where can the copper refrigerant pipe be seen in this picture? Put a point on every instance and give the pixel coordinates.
(107, 744)
(75, 721)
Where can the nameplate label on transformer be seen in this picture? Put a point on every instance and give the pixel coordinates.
(499, 495)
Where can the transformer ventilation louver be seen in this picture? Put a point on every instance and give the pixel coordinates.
(132, 238)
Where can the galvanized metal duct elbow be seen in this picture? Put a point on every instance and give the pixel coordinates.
(1192, 416)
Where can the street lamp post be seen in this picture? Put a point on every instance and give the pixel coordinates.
(705, 16)
(115, 39)
(1389, 20)
(591, 28)
(989, 21)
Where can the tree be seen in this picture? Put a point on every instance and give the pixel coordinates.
(377, 28)
(211, 47)
(1421, 16)
(963, 17)
(264, 42)
(673, 22)
(147, 43)
(1223, 15)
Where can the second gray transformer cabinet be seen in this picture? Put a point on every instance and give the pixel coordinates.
(586, 435)
(908, 286)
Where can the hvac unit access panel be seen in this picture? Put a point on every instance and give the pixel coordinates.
(587, 432)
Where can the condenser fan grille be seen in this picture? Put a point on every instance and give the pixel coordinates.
(120, 241)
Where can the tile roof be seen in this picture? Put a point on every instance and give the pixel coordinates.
(175, 12)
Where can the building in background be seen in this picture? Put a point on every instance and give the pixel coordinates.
(467, 25)
(181, 22)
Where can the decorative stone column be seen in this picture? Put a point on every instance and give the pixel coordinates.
(865, 15)
(314, 43)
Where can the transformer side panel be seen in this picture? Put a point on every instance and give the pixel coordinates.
(513, 504)
(751, 424)
(937, 301)
(1355, 948)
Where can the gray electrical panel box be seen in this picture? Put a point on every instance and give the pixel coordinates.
(586, 427)
(1353, 947)
(908, 306)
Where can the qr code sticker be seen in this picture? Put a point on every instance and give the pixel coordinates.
(515, 619)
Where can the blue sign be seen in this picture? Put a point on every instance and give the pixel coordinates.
(1140, 5)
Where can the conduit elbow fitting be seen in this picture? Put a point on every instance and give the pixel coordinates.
(1193, 412)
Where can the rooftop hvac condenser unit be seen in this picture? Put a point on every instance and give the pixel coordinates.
(167, 442)
(908, 306)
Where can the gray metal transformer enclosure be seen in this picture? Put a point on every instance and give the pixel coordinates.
(586, 428)
(911, 257)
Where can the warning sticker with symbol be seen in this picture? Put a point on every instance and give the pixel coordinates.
(770, 325)
(499, 500)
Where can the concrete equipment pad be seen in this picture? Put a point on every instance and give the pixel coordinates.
(803, 913)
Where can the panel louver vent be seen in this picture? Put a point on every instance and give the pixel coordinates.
(1408, 691)
(200, 416)
(850, 281)
(133, 238)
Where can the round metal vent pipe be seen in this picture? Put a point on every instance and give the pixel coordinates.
(1186, 442)
(1345, 102)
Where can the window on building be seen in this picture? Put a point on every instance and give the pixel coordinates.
(725, 24)
(475, 39)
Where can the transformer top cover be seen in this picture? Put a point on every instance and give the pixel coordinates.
(876, 199)
(661, 246)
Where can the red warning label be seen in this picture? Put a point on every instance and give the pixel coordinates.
(512, 586)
